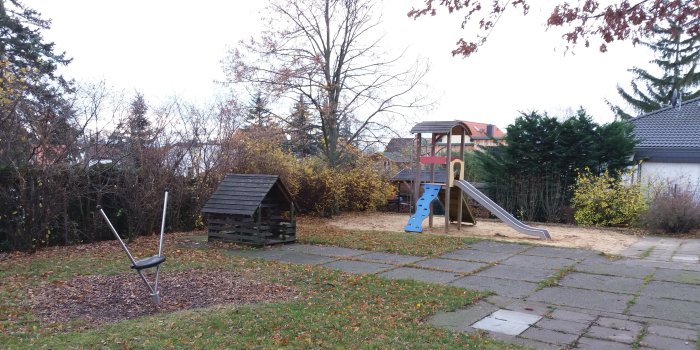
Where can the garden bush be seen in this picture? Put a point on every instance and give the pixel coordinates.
(673, 211)
(605, 200)
(317, 188)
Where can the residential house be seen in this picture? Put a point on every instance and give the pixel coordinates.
(669, 147)
(484, 135)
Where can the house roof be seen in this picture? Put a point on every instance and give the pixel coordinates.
(242, 194)
(400, 144)
(670, 127)
(480, 131)
(439, 127)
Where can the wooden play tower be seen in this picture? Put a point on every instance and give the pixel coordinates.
(442, 170)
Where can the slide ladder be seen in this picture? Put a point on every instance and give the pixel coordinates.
(415, 223)
(501, 213)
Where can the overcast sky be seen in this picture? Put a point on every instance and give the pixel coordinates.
(166, 48)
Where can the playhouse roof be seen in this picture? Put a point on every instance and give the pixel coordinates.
(242, 194)
(439, 127)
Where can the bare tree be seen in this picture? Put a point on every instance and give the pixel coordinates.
(329, 52)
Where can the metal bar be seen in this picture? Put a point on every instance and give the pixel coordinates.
(162, 224)
(146, 282)
(155, 288)
(133, 261)
(160, 244)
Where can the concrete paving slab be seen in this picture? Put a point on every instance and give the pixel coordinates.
(266, 254)
(501, 301)
(679, 276)
(323, 250)
(562, 325)
(597, 344)
(409, 273)
(672, 290)
(389, 258)
(538, 262)
(676, 265)
(460, 266)
(529, 307)
(549, 336)
(614, 269)
(477, 255)
(302, 258)
(673, 332)
(658, 342)
(573, 316)
(666, 309)
(357, 266)
(602, 282)
(685, 258)
(507, 322)
(502, 287)
(461, 320)
(557, 252)
(516, 273)
(690, 247)
(612, 334)
(500, 247)
(616, 323)
(582, 298)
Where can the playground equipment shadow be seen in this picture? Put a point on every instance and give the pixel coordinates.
(573, 298)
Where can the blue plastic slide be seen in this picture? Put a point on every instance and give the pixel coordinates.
(415, 223)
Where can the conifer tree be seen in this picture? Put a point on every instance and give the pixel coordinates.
(258, 113)
(679, 53)
(303, 133)
(139, 129)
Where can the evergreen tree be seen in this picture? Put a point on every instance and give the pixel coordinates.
(140, 131)
(33, 109)
(258, 113)
(679, 53)
(533, 173)
(304, 138)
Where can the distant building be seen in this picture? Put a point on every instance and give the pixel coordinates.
(669, 147)
(484, 135)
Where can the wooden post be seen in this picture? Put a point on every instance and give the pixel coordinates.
(433, 139)
(460, 195)
(447, 182)
(416, 181)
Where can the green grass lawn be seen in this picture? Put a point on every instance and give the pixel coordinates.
(315, 231)
(331, 310)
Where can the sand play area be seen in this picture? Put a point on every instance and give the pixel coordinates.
(608, 240)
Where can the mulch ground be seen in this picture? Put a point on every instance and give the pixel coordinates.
(105, 299)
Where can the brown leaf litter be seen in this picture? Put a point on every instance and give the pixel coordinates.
(104, 299)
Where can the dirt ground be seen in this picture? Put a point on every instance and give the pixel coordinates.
(610, 241)
(105, 299)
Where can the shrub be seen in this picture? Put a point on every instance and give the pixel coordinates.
(317, 188)
(606, 201)
(673, 212)
(327, 191)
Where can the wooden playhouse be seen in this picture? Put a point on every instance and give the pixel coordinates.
(251, 209)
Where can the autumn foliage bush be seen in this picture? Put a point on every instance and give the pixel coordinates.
(673, 211)
(317, 188)
(606, 201)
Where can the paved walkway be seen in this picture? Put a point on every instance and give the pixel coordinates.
(651, 301)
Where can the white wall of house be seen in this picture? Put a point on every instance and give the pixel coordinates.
(685, 175)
